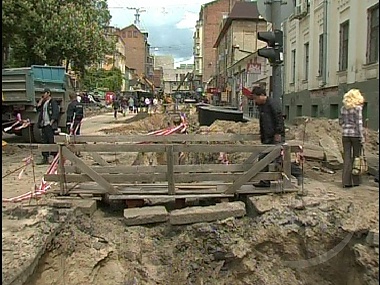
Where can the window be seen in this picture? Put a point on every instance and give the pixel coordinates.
(293, 60)
(320, 66)
(343, 46)
(306, 48)
(373, 35)
(299, 111)
(135, 34)
(287, 112)
(123, 34)
(129, 34)
(314, 111)
(334, 111)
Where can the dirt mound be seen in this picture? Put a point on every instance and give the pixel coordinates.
(141, 125)
(258, 251)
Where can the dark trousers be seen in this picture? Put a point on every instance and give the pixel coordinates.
(351, 148)
(76, 126)
(47, 137)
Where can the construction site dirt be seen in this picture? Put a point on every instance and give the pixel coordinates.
(327, 235)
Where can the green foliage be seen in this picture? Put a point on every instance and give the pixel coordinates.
(50, 31)
(110, 80)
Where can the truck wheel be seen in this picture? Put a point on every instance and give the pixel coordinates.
(36, 134)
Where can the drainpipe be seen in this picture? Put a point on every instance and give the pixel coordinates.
(325, 45)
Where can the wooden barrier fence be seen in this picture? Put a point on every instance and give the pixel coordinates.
(172, 179)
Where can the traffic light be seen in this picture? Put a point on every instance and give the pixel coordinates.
(274, 48)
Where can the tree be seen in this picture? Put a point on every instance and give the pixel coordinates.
(111, 80)
(50, 31)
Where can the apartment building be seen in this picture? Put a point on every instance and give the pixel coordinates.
(198, 55)
(116, 59)
(137, 50)
(210, 17)
(174, 77)
(331, 47)
(238, 40)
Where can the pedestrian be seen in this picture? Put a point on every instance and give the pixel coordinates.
(353, 137)
(48, 116)
(272, 127)
(131, 104)
(75, 114)
(115, 106)
(155, 104)
(148, 102)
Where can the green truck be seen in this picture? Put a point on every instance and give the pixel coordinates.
(22, 88)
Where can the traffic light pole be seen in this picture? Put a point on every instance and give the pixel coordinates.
(276, 68)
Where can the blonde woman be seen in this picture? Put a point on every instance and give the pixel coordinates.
(351, 121)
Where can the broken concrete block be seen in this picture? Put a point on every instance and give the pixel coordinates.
(60, 203)
(220, 211)
(145, 215)
(261, 204)
(333, 156)
(86, 206)
(373, 238)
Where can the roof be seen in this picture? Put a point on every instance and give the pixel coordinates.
(242, 11)
(130, 26)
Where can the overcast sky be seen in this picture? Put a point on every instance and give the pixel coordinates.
(170, 23)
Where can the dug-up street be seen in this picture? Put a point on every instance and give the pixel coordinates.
(328, 235)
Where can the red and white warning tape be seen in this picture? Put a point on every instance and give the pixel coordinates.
(16, 125)
(42, 189)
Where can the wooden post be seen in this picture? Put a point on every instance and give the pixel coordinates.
(170, 169)
(61, 171)
(287, 166)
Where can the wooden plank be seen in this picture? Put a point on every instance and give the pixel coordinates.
(256, 168)
(166, 139)
(170, 169)
(213, 148)
(255, 155)
(287, 166)
(198, 168)
(98, 159)
(90, 172)
(182, 196)
(61, 171)
(159, 177)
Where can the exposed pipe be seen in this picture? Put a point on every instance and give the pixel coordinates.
(325, 46)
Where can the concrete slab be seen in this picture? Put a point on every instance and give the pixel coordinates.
(220, 211)
(86, 206)
(145, 215)
(258, 205)
(60, 203)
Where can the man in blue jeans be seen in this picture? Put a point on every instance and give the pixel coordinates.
(272, 126)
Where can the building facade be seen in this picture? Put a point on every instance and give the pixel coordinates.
(331, 47)
(137, 50)
(198, 56)
(238, 40)
(174, 77)
(210, 17)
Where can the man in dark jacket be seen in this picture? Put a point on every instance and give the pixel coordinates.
(272, 127)
(48, 121)
(75, 114)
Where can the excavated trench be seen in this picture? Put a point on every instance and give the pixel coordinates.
(258, 250)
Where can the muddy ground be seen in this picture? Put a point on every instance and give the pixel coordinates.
(260, 249)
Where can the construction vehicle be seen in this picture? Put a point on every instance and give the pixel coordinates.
(22, 88)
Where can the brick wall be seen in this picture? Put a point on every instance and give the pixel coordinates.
(212, 17)
(135, 48)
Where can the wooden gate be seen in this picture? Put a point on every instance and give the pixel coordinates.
(172, 179)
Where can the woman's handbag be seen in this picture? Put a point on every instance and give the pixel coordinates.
(360, 165)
